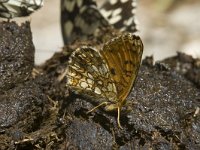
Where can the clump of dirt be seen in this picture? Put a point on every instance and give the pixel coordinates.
(187, 66)
(41, 113)
(23, 103)
(16, 54)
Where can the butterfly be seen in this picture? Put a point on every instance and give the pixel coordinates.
(18, 8)
(81, 18)
(106, 76)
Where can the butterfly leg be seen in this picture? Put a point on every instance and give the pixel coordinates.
(103, 103)
(118, 117)
(106, 103)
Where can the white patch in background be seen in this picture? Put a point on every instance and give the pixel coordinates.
(68, 28)
(128, 22)
(69, 5)
(186, 20)
(133, 11)
(47, 41)
(116, 12)
(115, 19)
(113, 2)
(124, 1)
(46, 31)
(79, 3)
(192, 48)
(134, 3)
(38, 2)
(41, 56)
(105, 13)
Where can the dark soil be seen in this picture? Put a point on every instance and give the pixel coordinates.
(37, 111)
(16, 54)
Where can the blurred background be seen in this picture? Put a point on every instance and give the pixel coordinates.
(165, 27)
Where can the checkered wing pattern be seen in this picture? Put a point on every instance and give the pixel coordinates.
(88, 74)
(18, 8)
(80, 19)
(120, 14)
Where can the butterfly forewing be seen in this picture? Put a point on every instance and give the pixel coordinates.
(88, 74)
(123, 55)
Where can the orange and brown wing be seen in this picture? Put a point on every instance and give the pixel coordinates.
(123, 56)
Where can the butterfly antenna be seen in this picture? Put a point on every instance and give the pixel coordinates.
(104, 103)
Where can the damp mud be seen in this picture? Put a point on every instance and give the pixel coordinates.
(37, 110)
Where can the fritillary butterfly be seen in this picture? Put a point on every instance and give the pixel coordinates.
(106, 76)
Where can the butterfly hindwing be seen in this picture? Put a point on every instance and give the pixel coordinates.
(88, 74)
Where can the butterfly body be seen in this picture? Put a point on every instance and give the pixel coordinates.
(107, 75)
